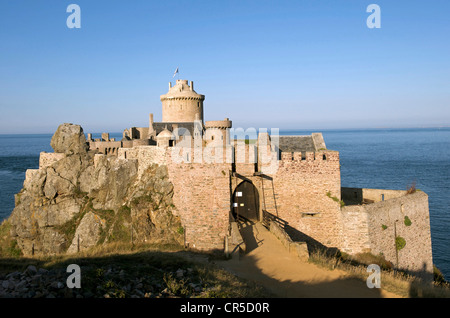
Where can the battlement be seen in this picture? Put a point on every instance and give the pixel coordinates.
(308, 156)
(218, 124)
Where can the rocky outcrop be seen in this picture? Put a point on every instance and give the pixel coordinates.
(69, 139)
(73, 204)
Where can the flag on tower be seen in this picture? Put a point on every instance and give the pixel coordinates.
(175, 73)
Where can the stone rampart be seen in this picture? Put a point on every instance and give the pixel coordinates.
(397, 228)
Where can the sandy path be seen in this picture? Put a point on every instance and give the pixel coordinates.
(271, 265)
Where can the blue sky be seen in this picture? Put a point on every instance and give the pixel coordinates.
(304, 64)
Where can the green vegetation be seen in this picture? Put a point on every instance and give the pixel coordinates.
(341, 203)
(407, 221)
(68, 229)
(116, 229)
(400, 243)
(384, 227)
(394, 281)
(8, 246)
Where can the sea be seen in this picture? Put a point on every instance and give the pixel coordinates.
(370, 158)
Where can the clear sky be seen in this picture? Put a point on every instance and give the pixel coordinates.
(304, 64)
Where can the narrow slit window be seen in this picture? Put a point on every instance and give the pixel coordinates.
(310, 215)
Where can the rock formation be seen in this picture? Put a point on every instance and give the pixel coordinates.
(73, 204)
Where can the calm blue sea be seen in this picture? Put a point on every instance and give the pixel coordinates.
(378, 158)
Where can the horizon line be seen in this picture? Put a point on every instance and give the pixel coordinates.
(280, 129)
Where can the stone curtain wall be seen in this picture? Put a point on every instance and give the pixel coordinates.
(417, 253)
(202, 201)
(370, 228)
(355, 223)
(301, 188)
(201, 194)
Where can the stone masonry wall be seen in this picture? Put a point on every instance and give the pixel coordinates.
(417, 254)
(201, 193)
(202, 200)
(374, 227)
(301, 187)
(355, 223)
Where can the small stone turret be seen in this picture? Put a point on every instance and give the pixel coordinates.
(182, 103)
(165, 138)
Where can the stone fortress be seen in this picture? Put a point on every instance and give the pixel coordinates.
(220, 179)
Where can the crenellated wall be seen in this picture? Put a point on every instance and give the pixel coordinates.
(301, 188)
(305, 185)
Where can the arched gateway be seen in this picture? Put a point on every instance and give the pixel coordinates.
(246, 201)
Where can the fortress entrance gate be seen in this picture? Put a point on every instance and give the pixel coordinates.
(246, 201)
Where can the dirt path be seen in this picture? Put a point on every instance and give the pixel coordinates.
(271, 265)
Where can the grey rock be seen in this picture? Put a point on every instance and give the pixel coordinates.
(69, 139)
(5, 284)
(87, 233)
(13, 275)
(57, 285)
(180, 273)
(42, 271)
(88, 294)
(31, 270)
(20, 285)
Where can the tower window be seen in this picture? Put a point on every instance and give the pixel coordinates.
(198, 104)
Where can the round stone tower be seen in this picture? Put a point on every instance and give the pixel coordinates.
(182, 103)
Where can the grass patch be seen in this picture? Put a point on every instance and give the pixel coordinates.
(115, 270)
(8, 246)
(116, 229)
(393, 281)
